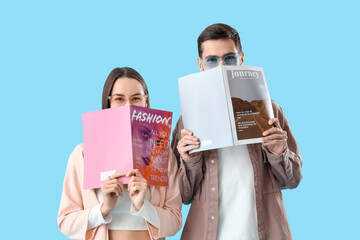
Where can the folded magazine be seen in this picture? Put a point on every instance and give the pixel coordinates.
(226, 106)
(124, 138)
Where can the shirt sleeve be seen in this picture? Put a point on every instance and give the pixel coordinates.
(190, 171)
(286, 166)
(96, 218)
(147, 212)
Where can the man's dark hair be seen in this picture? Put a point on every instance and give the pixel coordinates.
(219, 31)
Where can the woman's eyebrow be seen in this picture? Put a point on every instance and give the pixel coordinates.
(123, 95)
(136, 94)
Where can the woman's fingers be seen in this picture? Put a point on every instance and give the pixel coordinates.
(134, 172)
(136, 187)
(113, 185)
(117, 175)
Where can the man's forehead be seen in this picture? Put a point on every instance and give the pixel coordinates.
(219, 47)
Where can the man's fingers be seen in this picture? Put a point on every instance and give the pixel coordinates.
(274, 142)
(189, 147)
(274, 130)
(274, 136)
(185, 132)
(189, 139)
(274, 121)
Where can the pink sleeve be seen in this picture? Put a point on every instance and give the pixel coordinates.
(170, 218)
(72, 217)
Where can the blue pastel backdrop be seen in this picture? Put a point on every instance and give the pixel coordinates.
(56, 55)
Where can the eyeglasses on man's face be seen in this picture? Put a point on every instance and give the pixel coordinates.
(120, 100)
(228, 59)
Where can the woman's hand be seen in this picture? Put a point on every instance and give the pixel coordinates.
(111, 190)
(137, 188)
(187, 143)
(275, 139)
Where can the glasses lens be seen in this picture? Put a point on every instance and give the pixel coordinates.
(231, 59)
(211, 62)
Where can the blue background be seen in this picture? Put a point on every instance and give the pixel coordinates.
(55, 57)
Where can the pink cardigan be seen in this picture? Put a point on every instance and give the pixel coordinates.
(76, 203)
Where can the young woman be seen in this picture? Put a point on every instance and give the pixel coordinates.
(117, 211)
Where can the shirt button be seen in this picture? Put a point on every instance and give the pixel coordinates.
(213, 217)
(212, 161)
(213, 189)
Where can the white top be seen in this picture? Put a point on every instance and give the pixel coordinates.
(237, 207)
(124, 215)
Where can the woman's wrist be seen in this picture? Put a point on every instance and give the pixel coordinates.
(138, 206)
(104, 211)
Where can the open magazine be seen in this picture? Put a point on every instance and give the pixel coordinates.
(226, 106)
(124, 138)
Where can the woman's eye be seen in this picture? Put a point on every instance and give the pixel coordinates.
(119, 99)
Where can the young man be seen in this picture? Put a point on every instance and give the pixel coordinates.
(235, 192)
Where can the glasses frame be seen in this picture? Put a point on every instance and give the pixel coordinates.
(110, 98)
(237, 55)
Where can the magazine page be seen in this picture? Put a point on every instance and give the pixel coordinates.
(249, 102)
(151, 131)
(204, 109)
(107, 145)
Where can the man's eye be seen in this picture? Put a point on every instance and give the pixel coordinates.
(231, 57)
(211, 60)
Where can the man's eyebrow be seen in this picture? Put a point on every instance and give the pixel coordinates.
(209, 56)
(218, 56)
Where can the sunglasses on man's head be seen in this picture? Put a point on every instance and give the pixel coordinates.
(228, 59)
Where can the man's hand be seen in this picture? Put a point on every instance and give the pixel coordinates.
(187, 143)
(275, 139)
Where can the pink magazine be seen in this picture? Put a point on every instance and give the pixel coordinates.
(124, 138)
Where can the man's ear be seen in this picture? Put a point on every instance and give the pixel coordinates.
(242, 58)
(200, 64)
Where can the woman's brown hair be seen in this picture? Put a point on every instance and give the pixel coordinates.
(120, 73)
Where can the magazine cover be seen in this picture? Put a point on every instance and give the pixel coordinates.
(151, 131)
(124, 138)
(204, 108)
(249, 103)
(225, 106)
